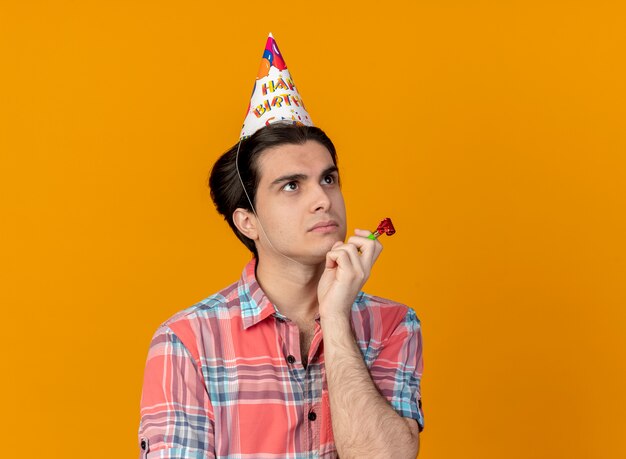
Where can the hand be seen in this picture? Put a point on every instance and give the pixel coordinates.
(348, 266)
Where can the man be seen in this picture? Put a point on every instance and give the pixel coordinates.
(293, 360)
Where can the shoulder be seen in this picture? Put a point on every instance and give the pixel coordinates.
(384, 308)
(203, 320)
(377, 318)
(212, 306)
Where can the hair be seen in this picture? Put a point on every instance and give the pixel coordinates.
(224, 182)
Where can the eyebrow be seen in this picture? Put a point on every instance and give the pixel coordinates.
(296, 177)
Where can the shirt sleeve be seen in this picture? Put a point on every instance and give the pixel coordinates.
(176, 414)
(397, 371)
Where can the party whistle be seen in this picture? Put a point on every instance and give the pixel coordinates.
(384, 227)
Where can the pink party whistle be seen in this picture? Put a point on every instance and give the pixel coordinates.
(384, 227)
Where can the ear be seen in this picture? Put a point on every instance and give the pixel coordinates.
(246, 223)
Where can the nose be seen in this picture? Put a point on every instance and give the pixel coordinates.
(320, 201)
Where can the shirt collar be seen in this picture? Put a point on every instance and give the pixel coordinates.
(255, 306)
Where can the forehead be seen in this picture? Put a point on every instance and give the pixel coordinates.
(309, 158)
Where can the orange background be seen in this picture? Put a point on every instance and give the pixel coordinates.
(494, 134)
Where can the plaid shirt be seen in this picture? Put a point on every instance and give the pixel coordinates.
(224, 378)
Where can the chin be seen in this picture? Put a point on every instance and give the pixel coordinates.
(328, 243)
(322, 249)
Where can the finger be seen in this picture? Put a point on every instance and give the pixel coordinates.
(353, 252)
(331, 261)
(338, 259)
(336, 244)
(370, 249)
(354, 263)
(363, 243)
(364, 236)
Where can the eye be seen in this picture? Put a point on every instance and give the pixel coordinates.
(291, 186)
(329, 179)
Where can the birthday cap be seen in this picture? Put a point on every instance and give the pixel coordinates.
(275, 96)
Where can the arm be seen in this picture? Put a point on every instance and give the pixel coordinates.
(364, 423)
(176, 413)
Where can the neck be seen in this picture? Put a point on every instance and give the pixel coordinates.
(290, 286)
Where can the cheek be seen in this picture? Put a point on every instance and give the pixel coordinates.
(283, 222)
(339, 203)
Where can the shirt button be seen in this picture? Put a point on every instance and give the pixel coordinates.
(291, 359)
(312, 416)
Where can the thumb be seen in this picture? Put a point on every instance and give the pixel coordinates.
(362, 233)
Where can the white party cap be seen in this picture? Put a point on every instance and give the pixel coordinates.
(275, 96)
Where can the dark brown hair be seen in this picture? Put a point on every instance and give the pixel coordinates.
(226, 190)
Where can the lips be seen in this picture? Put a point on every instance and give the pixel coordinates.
(324, 226)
